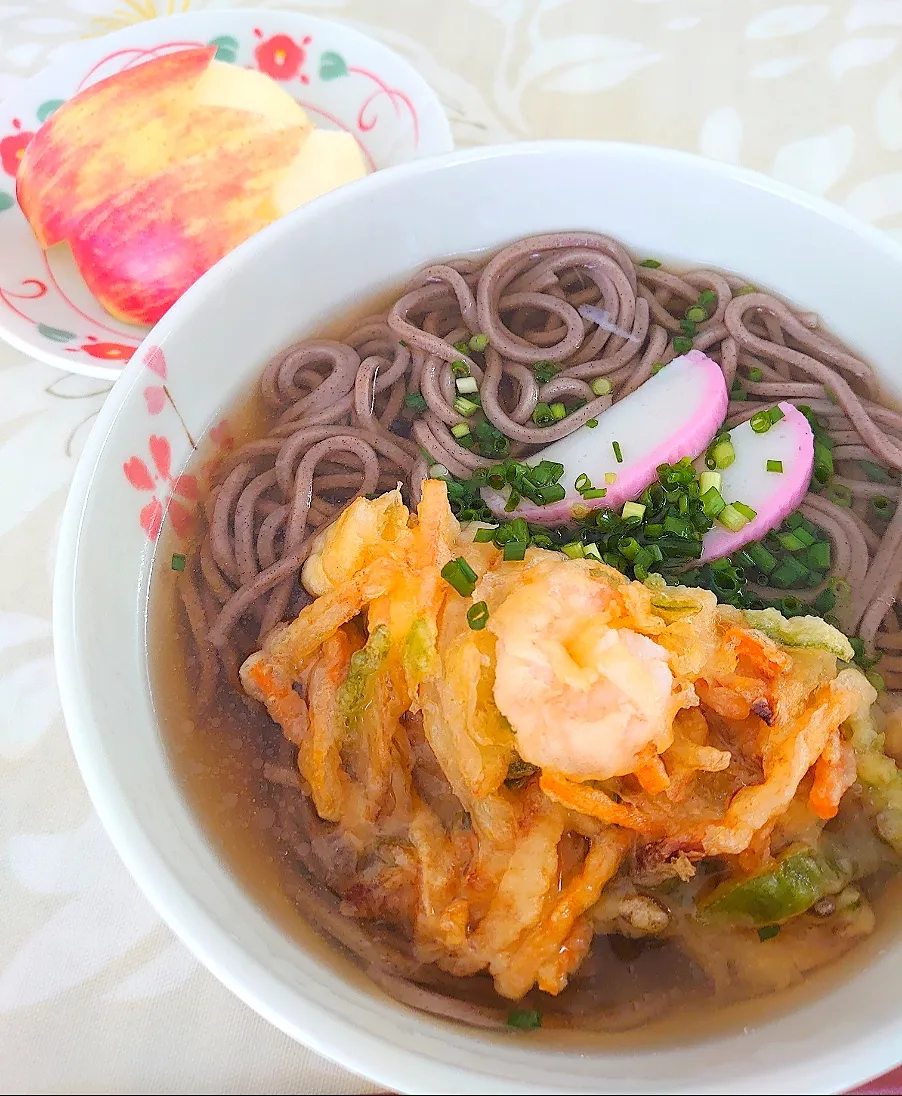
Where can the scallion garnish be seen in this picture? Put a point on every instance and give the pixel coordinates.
(514, 550)
(543, 415)
(747, 512)
(681, 344)
(465, 407)
(651, 264)
(478, 343)
(544, 371)
(688, 327)
(818, 556)
(633, 510)
(558, 410)
(477, 616)
(592, 423)
(732, 518)
(582, 483)
(774, 466)
(460, 430)
(745, 291)
(460, 368)
(721, 453)
(882, 506)
(709, 479)
(524, 1019)
(416, 401)
(618, 455)
(178, 561)
(839, 494)
(713, 502)
(657, 367)
(706, 298)
(760, 422)
(591, 551)
(460, 575)
(696, 314)
(601, 386)
(754, 374)
(462, 347)
(485, 536)
(594, 492)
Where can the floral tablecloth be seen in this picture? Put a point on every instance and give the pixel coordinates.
(96, 995)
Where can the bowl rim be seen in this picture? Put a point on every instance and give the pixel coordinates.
(439, 124)
(311, 1023)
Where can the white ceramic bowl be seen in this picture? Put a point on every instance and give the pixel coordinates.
(283, 284)
(342, 78)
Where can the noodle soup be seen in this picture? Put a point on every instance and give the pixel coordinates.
(552, 771)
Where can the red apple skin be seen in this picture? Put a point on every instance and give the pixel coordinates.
(142, 249)
(108, 137)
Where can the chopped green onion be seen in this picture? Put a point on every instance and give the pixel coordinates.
(592, 423)
(578, 511)
(745, 291)
(618, 455)
(582, 483)
(558, 410)
(818, 556)
(460, 430)
(633, 510)
(874, 472)
(460, 575)
(477, 616)
(774, 466)
(657, 367)
(765, 561)
(513, 501)
(416, 401)
(651, 264)
(554, 492)
(732, 518)
(478, 343)
(696, 314)
(439, 471)
(776, 413)
(594, 492)
(460, 369)
(591, 550)
(754, 374)
(840, 494)
(524, 1019)
(825, 602)
(746, 511)
(485, 536)
(706, 298)
(401, 342)
(876, 680)
(882, 506)
(601, 386)
(574, 550)
(713, 502)
(823, 461)
(544, 371)
(839, 586)
(543, 415)
(789, 572)
(760, 422)
(545, 472)
(514, 550)
(790, 541)
(722, 452)
(681, 344)
(688, 328)
(830, 394)
(465, 407)
(178, 562)
(466, 385)
(462, 347)
(708, 479)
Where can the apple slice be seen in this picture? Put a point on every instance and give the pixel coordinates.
(141, 249)
(772, 495)
(136, 124)
(327, 160)
(673, 415)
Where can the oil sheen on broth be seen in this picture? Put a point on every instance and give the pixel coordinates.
(236, 766)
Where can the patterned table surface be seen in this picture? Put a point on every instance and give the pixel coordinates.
(96, 995)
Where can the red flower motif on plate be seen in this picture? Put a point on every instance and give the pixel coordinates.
(282, 57)
(168, 493)
(12, 148)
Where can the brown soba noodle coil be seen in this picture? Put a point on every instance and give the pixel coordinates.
(360, 415)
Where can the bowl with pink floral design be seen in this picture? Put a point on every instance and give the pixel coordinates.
(343, 79)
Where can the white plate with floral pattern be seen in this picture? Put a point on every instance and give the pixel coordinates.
(342, 78)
